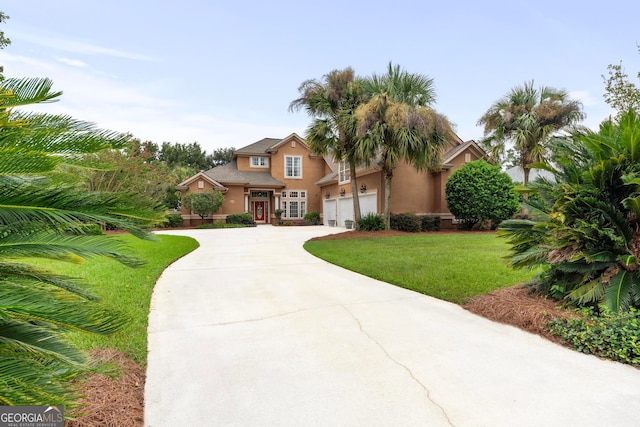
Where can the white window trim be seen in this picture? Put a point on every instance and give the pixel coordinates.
(286, 203)
(258, 158)
(285, 167)
(343, 170)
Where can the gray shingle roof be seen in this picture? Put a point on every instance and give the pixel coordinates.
(259, 147)
(229, 174)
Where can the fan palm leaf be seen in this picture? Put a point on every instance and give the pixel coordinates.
(396, 123)
(40, 219)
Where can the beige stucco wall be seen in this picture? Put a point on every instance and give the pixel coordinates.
(313, 169)
(411, 191)
(233, 201)
(244, 163)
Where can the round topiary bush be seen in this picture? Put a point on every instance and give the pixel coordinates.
(479, 191)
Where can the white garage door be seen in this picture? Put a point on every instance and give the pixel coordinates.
(329, 211)
(368, 204)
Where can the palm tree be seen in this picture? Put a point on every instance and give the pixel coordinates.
(528, 118)
(397, 124)
(42, 218)
(332, 102)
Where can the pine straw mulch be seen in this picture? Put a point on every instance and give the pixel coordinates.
(112, 401)
(119, 401)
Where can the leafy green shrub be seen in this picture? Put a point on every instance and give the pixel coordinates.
(240, 218)
(479, 191)
(406, 222)
(614, 336)
(371, 222)
(174, 220)
(278, 213)
(312, 217)
(430, 223)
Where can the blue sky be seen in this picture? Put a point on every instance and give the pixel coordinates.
(223, 73)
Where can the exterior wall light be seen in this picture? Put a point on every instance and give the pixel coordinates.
(342, 192)
(363, 188)
(327, 195)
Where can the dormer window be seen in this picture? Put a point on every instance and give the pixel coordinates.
(259, 162)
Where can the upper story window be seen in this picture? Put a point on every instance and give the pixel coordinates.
(293, 167)
(259, 162)
(344, 173)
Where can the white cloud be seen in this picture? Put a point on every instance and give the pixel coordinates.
(72, 62)
(76, 46)
(145, 110)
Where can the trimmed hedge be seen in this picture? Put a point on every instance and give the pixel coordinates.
(241, 218)
(430, 223)
(406, 222)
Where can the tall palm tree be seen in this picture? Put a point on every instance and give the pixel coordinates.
(528, 118)
(40, 218)
(397, 124)
(332, 102)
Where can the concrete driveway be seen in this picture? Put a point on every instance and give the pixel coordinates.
(250, 330)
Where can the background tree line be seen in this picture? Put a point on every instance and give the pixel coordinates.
(149, 169)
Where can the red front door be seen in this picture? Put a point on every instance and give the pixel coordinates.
(259, 211)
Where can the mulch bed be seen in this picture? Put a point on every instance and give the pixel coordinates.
(119, 402)
(112, 402)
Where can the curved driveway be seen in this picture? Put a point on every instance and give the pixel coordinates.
(250, 330)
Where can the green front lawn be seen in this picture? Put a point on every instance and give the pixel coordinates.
(127, 290)
(453, 267)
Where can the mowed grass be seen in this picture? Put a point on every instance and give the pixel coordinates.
(453, 267)
(124, 289)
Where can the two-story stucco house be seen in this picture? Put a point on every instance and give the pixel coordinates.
(267, 175)
(284, 174)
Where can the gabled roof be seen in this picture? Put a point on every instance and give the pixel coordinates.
(268, 145)
(201, 175)
(259, 147)
(454, 152)
(229, 174)
(283, 141)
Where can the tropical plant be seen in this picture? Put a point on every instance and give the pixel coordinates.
(396, 124)
(204, 203)
(45, 219)
(332, 102)
(371, 222)
(528, 118)
(479, 191)
(587, 238)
